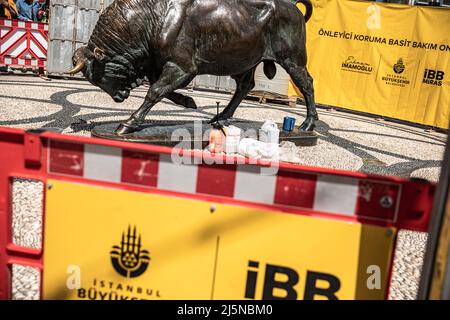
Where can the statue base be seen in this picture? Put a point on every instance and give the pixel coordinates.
(194, 135)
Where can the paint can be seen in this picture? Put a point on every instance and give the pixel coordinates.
(288, 124)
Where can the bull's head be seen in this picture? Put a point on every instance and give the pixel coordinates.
(98, 70)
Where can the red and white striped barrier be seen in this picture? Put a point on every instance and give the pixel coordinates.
(23, 44)
(291, 188)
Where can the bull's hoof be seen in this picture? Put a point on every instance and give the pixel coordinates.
(125, 128)
(190, 103)
(308, 125)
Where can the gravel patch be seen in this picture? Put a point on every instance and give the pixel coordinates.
(408, 261)
(430, 174)
(25, 282)
(27, 200)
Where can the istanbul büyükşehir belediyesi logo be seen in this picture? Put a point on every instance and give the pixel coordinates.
(128, 259)
(397, 78)
(399, 67)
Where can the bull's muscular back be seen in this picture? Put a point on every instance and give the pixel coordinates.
(229, 37)
(223, 37)
(226, 34)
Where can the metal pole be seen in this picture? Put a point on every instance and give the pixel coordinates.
(432, 272)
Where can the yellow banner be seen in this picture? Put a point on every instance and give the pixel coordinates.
(384, 59)
(112, 244)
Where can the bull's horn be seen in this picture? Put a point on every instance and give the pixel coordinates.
(79, 67)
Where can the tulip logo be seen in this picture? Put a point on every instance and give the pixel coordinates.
(128, 259)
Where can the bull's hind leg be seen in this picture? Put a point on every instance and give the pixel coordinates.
(171, 79)
(304, 82)
(245, 82)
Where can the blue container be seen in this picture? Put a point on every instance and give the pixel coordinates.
(288, 124)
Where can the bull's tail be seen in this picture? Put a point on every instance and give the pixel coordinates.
(309, 8)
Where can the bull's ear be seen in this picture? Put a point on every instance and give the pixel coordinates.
(99, 54)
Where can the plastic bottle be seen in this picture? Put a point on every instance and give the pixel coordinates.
(216, 141)
(232, 139)
(269, 132)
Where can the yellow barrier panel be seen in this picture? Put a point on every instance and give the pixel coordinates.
(105, 243)
(385, 59)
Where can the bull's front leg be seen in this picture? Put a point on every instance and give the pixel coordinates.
(176, 97)
(244, 84)
(182, 100)
(171, 79)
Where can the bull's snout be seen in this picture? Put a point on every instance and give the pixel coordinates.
(121, 95)
(118, 98)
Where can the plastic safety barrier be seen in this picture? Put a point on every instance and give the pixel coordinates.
(23, 44)
(129, 221)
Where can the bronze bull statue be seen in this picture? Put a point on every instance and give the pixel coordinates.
(169, 42)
